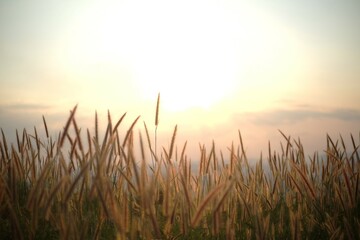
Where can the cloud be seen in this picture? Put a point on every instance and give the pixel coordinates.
(24, 107)
(346, 114)
(291, 116)
(19, 116)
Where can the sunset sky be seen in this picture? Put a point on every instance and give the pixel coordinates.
(220, 66)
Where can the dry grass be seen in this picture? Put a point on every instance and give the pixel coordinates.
(81, 187)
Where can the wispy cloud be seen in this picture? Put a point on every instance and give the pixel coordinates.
(346, 114)
(291, 116)
(26, 115)
(24, 107)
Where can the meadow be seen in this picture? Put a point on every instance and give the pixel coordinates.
(123, 186)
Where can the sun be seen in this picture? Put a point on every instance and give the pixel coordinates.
(186, 53)
(187, 73)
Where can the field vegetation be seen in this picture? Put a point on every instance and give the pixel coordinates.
(78, 186)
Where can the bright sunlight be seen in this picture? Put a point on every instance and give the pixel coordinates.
(195, 53)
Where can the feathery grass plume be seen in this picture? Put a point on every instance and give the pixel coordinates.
(306, 181)
(157, 111)
(111, 159)
(242, 146)
(109, 121)
(72, 153)
(79, 141)
(352, 158)
(202, 159)
(37, 141)
(19, 145)
(172, 145)
(118, 123)
(4, 151)
(89, 143)
(355, 148)
(20, 172)
(165, 153)
(208, 161)
(334, 147)
(107, 134)
(288, 142)
(96, 128)
(129, 131)
(152, 153)
(147, 135)
(141, 147)
(232, 158)
(45, 125)
(214, 155)
(67, 125)
(344, 152)
(182, 156)
(157, 121)
(129, 182)
(296, 185)
(222, 159)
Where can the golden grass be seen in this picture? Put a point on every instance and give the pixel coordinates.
(76, 188)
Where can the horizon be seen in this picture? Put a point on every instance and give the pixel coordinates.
(193, 152)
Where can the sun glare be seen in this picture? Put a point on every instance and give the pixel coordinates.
(195, 53)
(186, 54)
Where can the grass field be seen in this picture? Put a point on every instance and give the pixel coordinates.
(78, 186)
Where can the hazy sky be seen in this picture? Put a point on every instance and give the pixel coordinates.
(221, 66)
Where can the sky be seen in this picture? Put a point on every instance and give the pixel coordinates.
(220, 66)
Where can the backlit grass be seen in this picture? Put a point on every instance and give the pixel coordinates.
(78, 186)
